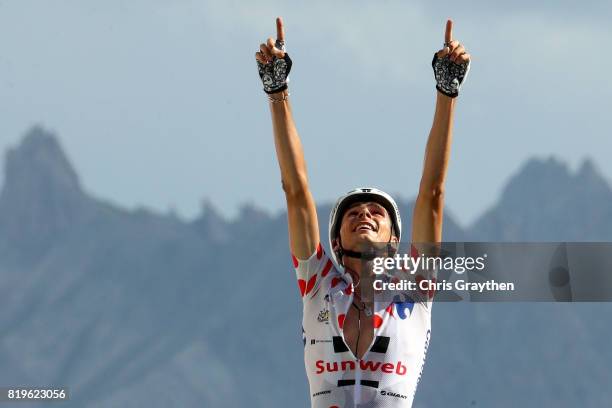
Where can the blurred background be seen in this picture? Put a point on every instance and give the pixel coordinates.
(144, 259)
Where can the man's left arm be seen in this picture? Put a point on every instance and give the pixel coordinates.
(451, 65)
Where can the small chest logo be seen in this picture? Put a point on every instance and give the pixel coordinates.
(323, 316)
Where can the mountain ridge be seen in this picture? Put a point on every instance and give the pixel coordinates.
(134, 308)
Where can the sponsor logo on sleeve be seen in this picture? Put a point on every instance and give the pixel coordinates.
(317, 394)
(316, 341)
(393, 394)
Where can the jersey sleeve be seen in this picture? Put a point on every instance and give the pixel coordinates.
(311, 272)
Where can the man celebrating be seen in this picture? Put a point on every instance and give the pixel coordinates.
(359, 351)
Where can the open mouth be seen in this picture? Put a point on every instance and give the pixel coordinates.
(364, 226)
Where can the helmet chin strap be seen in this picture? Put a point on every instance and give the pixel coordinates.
(369, 254)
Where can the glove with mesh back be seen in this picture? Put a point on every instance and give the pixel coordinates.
(275, 74)
(451, 64)
(273, 63)
(449, 75)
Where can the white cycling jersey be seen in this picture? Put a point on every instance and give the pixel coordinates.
(388, 373)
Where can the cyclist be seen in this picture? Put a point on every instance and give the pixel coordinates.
(359, 351)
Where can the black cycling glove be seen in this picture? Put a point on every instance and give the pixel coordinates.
(275, 74)
(449, 75)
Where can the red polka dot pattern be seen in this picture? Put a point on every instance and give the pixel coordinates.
(311, 284)
(413, 251)
(389, 309)
(327, 268)
(295, 261)
(302, 286)
(432, 291)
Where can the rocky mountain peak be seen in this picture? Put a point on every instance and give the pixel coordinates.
(41, 197)
(38, 165)
(539, 201)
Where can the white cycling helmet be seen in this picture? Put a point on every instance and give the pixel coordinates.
(358, 195)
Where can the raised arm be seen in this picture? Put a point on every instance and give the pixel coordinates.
(274, 65)
(451, 65)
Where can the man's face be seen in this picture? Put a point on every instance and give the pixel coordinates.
(365, 223)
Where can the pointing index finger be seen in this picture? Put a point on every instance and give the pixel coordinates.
(280, 29)
(448, 35)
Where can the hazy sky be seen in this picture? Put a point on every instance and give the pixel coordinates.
(158, 103)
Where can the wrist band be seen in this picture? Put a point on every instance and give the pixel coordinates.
(278, 100)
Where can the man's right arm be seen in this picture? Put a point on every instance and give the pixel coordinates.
(301, 209)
